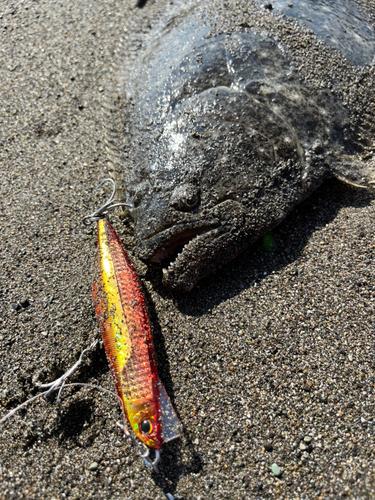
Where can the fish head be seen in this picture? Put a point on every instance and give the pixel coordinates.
(229, 139)
(204, 181)
(144, 419)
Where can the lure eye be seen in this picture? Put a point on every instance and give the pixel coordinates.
(146, 427)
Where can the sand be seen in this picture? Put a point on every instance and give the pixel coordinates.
(268, 361)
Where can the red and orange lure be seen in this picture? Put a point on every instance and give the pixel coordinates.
(125, 328)
(123, 320)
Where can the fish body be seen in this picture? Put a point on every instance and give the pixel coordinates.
(125, 328)
(235, 113)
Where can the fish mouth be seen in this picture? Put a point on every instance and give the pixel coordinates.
(176, 244)
(181, 252)
(188, 251)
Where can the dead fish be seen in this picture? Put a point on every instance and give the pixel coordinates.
(235, 112)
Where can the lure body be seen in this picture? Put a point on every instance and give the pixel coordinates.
(122, 316)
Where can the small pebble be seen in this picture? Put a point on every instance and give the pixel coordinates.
(94, 466)
(16, 306)
(268, 446)
(276, 471)
(307, 439)
(303, 446)
(25, 303)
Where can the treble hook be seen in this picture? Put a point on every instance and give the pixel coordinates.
(142, 449)
(101, 213)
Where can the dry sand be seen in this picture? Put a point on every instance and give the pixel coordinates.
(270, 360)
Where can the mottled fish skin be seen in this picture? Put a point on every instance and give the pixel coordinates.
(235, 113)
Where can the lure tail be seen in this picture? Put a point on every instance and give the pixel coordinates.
(171, 427)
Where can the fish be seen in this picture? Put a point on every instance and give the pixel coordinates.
(125, 327)
(234, 113)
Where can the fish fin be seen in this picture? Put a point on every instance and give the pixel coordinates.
(357, 172)
(171, 426)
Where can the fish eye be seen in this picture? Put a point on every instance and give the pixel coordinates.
(185, 197)
(146, 427)
(191, 199)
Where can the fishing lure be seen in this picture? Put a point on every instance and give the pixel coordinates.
(125, 327)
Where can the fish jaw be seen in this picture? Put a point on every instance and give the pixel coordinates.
(165, 243)
(201, 256)
(201, 247)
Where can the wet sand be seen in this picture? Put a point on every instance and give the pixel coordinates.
(270, 360)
